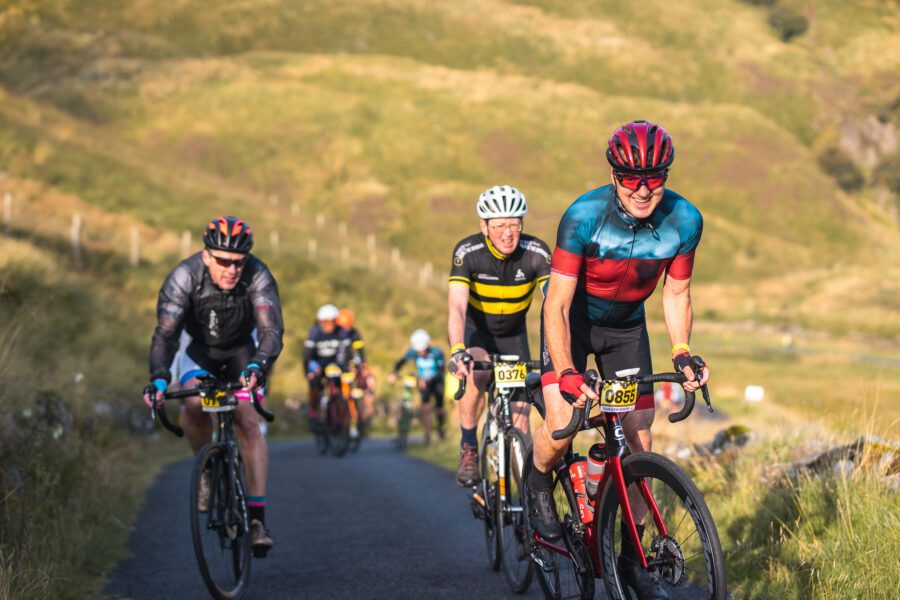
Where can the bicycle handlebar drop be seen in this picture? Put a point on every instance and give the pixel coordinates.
(591, 377)
(679, 378)
(485, 365)
(228, 387)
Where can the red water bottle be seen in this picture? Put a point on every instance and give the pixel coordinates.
(596, 464)
(578, 473)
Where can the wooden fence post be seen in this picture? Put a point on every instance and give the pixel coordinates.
(76, 239)
(185, 243)
(342, 228)
(7, 213)
(320, 220)
(135, 255)
(275, 240)
(370, 242)
(312, 248)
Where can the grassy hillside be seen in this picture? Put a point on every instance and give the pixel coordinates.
(391, 116)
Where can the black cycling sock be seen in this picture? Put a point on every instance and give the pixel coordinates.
(256, 509)
(629, 552)
(540, 481)
(469, 437)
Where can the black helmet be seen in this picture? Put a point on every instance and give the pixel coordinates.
(229, 234)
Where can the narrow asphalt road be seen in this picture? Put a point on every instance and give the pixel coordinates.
(376, 524)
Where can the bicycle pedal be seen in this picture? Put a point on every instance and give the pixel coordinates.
(260, 552)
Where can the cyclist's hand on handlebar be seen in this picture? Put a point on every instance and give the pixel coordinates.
(574, 390)
(392, 378)
(155, 389)
(253, 376)
(459, 364)
(694, 368)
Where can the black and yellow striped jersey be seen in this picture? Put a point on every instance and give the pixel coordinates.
(500, 287)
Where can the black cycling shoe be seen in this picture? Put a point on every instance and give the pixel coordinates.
(640, 580)
(542, 513)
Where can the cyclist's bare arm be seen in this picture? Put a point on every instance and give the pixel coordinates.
(556, 320)
(457, 302)
(679, 315)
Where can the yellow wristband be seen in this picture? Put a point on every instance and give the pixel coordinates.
(677, 348)
(457, 347)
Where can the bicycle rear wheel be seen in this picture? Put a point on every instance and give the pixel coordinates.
(515, 546)
(221, 533)
(338, 425)
(489, 491)
(688, 560)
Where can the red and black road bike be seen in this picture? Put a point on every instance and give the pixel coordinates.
(672, 535)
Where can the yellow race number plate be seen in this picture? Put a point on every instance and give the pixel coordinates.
(214, 401)
(618, 397)
(332, 371)
(509, 375)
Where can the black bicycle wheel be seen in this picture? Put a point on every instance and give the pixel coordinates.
(687, 561)
(221, 533)
(564, 577)
(488, 488)
(515, 546)
(338, 425)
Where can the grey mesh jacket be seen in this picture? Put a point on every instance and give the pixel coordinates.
(220, 320)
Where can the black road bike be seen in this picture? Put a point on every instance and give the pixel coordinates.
(497, 496)
(220, 528)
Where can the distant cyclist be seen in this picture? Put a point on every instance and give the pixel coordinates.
(429, 361)
(219, 296)
(325, 344)
(365, 381)
(492, 280)
(613, 245)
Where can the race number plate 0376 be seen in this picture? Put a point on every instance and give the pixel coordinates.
(510, 375)
(618, 396)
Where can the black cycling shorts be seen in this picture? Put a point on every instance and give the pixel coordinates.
(225, 365)
(516, 344)
(613, 348)
(433, 388)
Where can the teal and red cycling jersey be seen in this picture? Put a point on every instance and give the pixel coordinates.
(618, 259)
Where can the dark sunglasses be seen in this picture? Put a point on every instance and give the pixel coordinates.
(634, 182)
(227, 262)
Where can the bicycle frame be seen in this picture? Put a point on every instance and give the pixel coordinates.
(616, 450)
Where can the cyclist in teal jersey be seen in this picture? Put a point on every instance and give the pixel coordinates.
(613, 245)
(429, 361)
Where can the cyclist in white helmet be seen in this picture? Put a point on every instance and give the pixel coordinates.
(326, 343)
(429, 362)
(492, 280)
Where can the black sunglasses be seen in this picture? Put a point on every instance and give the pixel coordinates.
(227, 262)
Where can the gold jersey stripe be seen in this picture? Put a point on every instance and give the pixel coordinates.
(502, 292)
(358, 344)
(459, 279)
(500, 308)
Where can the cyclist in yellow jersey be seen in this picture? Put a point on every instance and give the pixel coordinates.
(492, 281)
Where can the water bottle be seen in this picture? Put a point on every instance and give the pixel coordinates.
(596, 463)
(578, 473)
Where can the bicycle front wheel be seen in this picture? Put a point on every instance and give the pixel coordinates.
(681, 544)
(488, 488)
(515, 546)
(219, 525)
(338, 425)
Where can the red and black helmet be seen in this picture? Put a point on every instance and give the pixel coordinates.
(640, 146)
(229, 234)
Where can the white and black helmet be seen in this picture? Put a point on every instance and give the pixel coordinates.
(419, 340)
(501, 201)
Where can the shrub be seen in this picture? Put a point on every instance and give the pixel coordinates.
(887, 172)
(787, 22)
(837, 163)
(760, 2)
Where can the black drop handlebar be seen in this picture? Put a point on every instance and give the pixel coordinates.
(202, 390)
(592, 378)
(487, 365)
